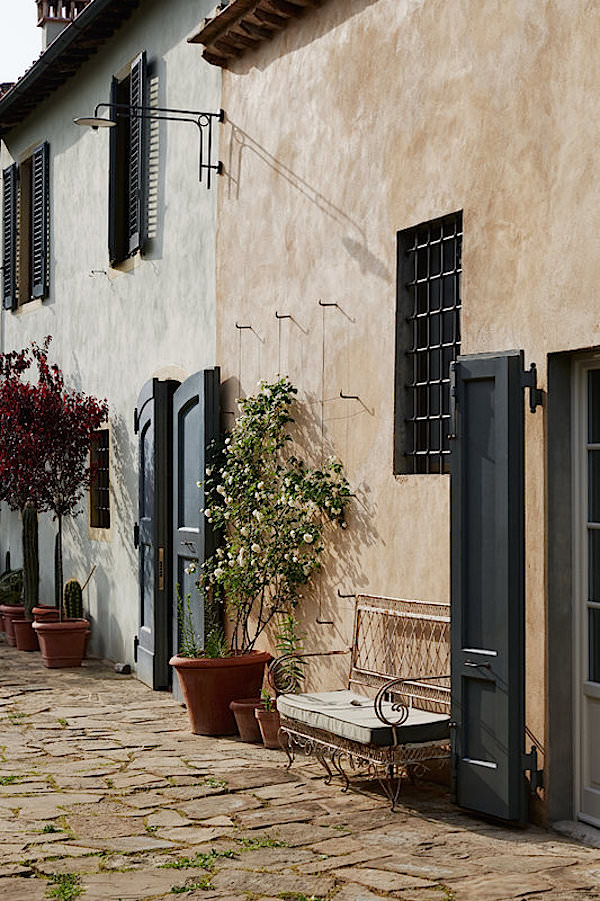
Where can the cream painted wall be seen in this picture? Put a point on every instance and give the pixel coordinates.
(112, 332)
(366, 117)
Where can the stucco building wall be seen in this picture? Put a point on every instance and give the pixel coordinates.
(113, 330)
(364, 118)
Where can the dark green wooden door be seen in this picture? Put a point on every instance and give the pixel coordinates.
(195, 426)
(487, 547)
(153, 427)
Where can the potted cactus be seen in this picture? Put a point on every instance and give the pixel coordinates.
(63, 643)
(25, 637)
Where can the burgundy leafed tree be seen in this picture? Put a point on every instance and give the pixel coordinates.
(45, 433)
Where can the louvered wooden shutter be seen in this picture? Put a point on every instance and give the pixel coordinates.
(40, 220)
(9, 237)
(137, 94)
(113, 250)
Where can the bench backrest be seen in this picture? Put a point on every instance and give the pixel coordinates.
(396, 638)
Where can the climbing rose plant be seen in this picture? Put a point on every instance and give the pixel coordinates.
(271, 510)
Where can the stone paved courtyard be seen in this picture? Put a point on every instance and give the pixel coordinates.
(104, 795)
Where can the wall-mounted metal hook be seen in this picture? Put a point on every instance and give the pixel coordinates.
(94, 272)
(324, 622)
(349, 396)
(237, 325)
(529, 380)
(283, 315)
(322, 304)
(340, 595)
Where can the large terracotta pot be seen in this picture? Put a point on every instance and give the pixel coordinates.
(25, 637)
(62, 644)
(10, 612)
(45, 614)
(210, 684)
(269, 723)
(247, 724)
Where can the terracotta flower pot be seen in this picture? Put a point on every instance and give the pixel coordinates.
(268, 721)
(26, 638)
(210, 684)
(45, 614)
(246, 722)
(9, 613)
(62, 644)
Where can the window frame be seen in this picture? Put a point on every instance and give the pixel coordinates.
(26, 228)
(428, 339)
(99, 515)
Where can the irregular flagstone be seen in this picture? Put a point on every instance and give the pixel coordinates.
(192, 835)
(64, 849)
(326, 865)
(232, 880)
(499, 888)
(382, 881)
(125, 843)
(296, 834)
(134, 885)
(253, 777)
(203, 808)
(20, 888)
(166, 818)
(272, 816)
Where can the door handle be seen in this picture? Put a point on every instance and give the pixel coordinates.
(161, 569)
(477, 665)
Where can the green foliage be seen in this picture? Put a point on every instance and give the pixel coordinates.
(73, 599)
(216, 645)
(290, 641)
(31, 562)
(189, 640)
(268, 701)
(50, 827)
(265, 841)
(11, 586)
(211, 782)
(203, 861)
(10, 780)
(203, 884)
(64, 886)
(270, 509)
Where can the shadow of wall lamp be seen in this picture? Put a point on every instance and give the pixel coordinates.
(203, 121)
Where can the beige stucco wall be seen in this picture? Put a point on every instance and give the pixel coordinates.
(367, 117)
(112, 331)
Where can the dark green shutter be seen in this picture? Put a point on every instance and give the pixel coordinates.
(136, 194)
(9, 236)
(487, 528)
(113, 206)
(40, 220)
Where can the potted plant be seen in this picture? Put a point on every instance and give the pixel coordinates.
(267, 717)
(11, 591)
(269, 509)
(65, 421)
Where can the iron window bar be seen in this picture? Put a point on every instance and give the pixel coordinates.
(204, 122)
(434, 253)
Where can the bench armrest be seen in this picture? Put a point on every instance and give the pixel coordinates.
(285, 672)
(400, 685)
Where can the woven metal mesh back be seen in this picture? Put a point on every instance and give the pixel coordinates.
(399, 639)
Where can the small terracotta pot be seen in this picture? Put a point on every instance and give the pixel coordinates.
(45, 614)
(209, 684)
(63, 643)
(25, 637)
(243, 711)
(9, 613)
(268, 721)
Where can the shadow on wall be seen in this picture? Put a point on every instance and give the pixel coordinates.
(319, 22)
(354, 242)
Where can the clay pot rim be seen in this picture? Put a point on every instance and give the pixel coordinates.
(67, 625)
(242, 703)
(236, 660)
(258, 713)
(11, 608)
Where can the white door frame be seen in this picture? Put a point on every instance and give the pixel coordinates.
(579, 406)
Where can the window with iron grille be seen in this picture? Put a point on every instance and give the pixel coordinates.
(100, 486)
(25, 229)
(127, 165)
(427, 341)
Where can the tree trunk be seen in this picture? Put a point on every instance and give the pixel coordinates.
(59, 569)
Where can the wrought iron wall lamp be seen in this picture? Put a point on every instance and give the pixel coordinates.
(203, 121)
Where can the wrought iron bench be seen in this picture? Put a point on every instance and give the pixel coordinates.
(393, 719)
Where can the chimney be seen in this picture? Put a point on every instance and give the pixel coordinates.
(55, 15)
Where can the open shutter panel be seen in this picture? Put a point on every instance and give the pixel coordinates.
(113, 253)
(137, 95)
(9, 237)
(40, 220)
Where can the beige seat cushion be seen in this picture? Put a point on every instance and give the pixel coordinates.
(352, 716)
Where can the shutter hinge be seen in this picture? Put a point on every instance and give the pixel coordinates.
(529, 764)
(452, 420)
(136, 534)
(136, 642)
(136, 422)
(529, 380)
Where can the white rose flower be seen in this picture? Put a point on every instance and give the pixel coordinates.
(220, 489)
(244, 531)
(261, 485)
(308, 537)
(218, 572)
(257, 515)
(293, 533)
(207, 512)
(227, 514)
(228, 441)
(209, 470)
(256, 548)
(198, 484)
